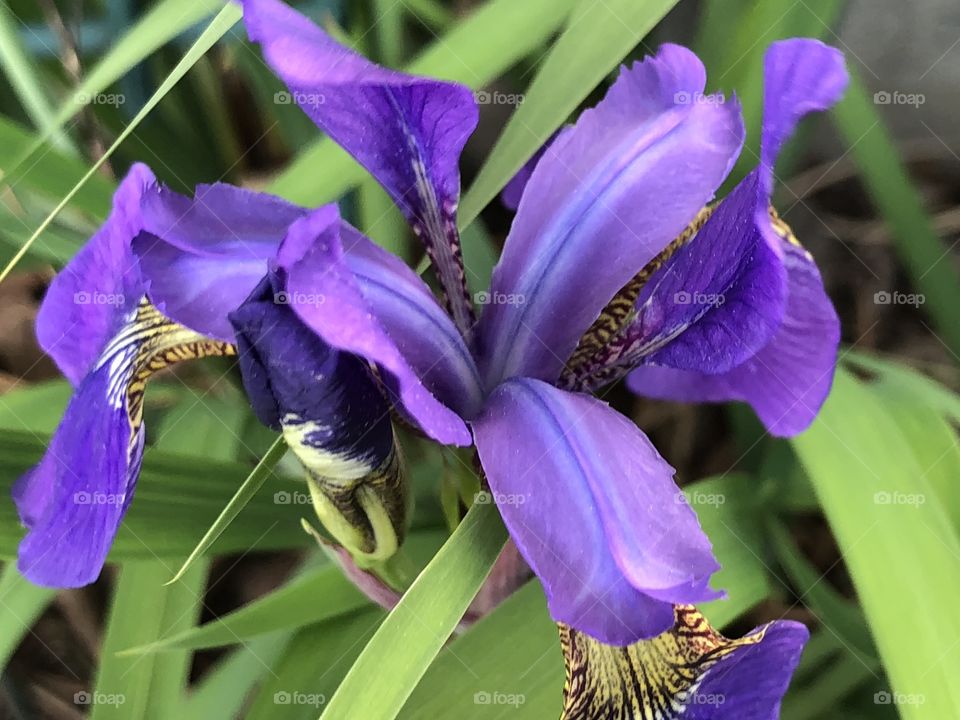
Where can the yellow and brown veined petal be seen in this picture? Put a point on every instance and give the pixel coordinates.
(73, 501)
(689, 672)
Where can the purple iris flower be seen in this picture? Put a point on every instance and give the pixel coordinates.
(614, 262)
(216, 289)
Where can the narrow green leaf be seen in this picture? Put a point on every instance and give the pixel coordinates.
(137, 614)
(417, 628)
(896, 539)
(155, 28)
(598, 36)
(217, 28)
(928, 391)
(21, 603)
(925, 256)
(222, 692)
(244, 494)
(22, 73)
(316, 596)
(475, 51)
(821, 699)
(840, 616)
(314, 664)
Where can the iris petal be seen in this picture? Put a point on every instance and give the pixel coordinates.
(688, 672)
(87, 302)
(787, 380)
(407, 131)
(610, 193)
(73, 501)
(202, 256)
(593, 509)
(362, 300)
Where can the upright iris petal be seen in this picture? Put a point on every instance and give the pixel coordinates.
(211, 260)
(427, 363)
(610, 192)
(787, 379)
(407, 131)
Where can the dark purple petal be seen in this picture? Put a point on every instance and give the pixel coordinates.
(787, 381)
(690, 671)
(362, 300)
(608, 195)
(202, 256)
(593, 509)
(89, 299)
(72, 502)
(713, 303)
(293, 377)
(407, 131)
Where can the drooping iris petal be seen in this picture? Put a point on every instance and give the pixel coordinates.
(593, 509)
(332, 416)
(608, 195)
(72, 502)
(201, 257)
(362, 300)
(88, 300)
(787, 380)
(407, 131)
(690, 671)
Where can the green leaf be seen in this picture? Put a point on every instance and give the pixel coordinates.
(21, 72)
(217, 28)
(139, 613)
(516, 650)
(222, 691)
(155, 28)
(401, 650)
(316, 596)
(896, 538)
(475, 51)
(36, 408)
(838, 615)
(244, 495)
(925, 256)
(312, 667)
(597, 37)
(21, 603)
